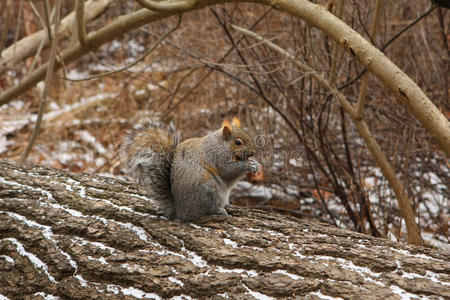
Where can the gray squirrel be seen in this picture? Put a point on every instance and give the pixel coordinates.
(194, 178)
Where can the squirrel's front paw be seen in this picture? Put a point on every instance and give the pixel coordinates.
(252, 165)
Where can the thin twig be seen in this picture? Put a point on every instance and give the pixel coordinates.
(446, 58)
(396, 36)
(36, 12)
(48, 79)
(6, 23)
(130, 65)
(47, 22)
(222, 59)
(166, 6)
(341, 98)
(177, 88)
(81, 27)
(16, 34)
(41, 45)
(365, 80)
(334, 60)
(38, 53)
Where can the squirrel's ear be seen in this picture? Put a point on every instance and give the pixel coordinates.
(226, 130)
(236, 122)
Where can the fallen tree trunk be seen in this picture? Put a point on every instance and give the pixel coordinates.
(81, 236)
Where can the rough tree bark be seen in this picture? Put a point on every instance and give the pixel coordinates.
(81, 236)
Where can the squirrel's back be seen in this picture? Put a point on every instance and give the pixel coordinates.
(149, 152)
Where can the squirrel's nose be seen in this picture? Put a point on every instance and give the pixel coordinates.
(250, 153)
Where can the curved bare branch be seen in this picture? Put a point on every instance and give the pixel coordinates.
(166, 6)
(81, 26)
(48, 76)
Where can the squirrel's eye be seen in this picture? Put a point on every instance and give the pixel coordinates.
(238, 142)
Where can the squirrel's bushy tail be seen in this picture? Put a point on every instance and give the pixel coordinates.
(149, 152)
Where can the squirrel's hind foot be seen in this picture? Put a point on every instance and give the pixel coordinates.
(212, 218)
